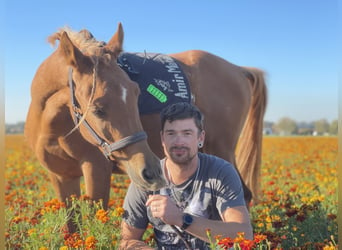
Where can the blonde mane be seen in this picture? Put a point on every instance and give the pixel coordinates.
(83, 39)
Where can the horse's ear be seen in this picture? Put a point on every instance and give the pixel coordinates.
(116, 42)
(72, 54)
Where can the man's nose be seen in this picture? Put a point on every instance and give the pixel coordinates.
(179, 140)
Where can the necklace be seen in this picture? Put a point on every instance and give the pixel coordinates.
(184, 203)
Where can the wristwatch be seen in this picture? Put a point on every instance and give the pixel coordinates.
(187, 220)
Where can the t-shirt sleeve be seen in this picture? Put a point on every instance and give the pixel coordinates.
(229, 191)
(134, 205)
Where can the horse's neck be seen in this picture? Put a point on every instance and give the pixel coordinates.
(50, 78)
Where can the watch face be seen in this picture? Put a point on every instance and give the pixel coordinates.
(188, 219)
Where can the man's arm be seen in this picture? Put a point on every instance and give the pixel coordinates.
(235, 220)
(131, 238)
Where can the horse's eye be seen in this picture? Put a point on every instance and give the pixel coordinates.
(99, 112)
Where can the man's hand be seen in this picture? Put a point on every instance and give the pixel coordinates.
(163, 207)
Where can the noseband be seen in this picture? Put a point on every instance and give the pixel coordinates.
(107, 149)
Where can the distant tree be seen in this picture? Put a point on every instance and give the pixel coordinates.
(286, 126)
(321, 126)
(333, 129)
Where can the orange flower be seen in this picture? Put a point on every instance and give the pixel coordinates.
(240, 237)
(102, 215)
(16, 219)
(52, 206)
(90, 242)
(73, 240)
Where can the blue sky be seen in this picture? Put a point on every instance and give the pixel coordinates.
(294, 42)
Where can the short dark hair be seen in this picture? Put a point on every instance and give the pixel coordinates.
(180, 111)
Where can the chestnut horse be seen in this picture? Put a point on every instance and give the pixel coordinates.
(84, 105)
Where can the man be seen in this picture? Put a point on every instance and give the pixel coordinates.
(203, 191)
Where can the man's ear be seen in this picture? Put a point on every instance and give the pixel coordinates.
(202, 137)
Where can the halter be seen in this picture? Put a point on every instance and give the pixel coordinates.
(107, 149)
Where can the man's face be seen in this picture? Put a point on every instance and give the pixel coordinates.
(180, 140)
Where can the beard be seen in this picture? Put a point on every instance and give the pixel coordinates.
(181, 155)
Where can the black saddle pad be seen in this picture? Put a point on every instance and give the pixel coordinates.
(160, 78)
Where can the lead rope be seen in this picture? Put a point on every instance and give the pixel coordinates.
(177, 231)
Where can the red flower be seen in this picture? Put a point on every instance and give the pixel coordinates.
(291, 212)
(259, 238)
(247, 244)
(226, 243)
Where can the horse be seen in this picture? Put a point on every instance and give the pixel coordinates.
(84, 118)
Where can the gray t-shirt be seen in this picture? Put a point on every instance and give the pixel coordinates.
(208, 193)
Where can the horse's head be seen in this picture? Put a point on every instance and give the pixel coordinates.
(105, 102)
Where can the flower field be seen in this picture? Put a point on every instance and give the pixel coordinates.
(298, 208)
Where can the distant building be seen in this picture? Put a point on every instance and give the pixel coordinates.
(17, 128)
(267, 131)
(304, 128)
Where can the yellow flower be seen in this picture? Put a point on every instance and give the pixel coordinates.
(118, 212)
(275, 218)
(331, 247)
(268, 219)
(260, 225)
(31, 231)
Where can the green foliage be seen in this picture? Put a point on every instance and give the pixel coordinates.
(286, 126)
(321, 126)
(333, 128)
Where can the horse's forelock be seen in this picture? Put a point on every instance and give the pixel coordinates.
(84, 40)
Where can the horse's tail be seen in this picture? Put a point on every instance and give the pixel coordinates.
(248, 154)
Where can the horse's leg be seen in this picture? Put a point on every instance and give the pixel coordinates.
(96, 170)
(64, 188)
(68, 156)
(97, 176)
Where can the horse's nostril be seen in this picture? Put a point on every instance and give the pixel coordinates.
(147, 174)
